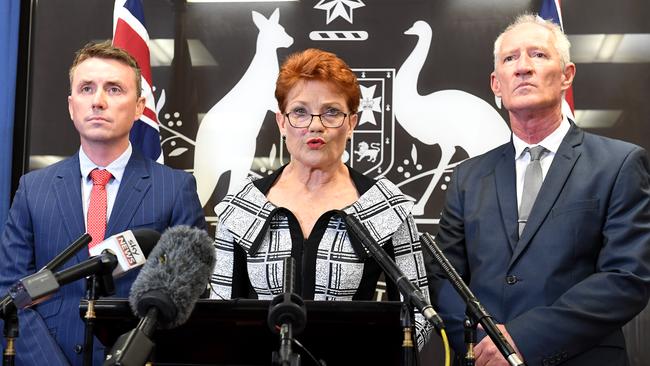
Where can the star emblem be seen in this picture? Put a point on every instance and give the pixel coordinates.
(339, 8)
(368, 105)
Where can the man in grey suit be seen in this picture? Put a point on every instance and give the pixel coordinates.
(563, 276)
(51, 207)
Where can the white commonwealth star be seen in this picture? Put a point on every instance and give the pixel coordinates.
(337, 8)
(368, 105)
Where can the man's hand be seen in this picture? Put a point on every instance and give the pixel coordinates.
(487, 353)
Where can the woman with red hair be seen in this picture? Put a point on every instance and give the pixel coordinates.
(296, 212)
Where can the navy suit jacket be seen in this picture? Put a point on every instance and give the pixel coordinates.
(581, 268)
(47, 215)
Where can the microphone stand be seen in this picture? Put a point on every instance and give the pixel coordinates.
(408, 350)
(94, 290)
(10, 331)
(474, 308)
(135, 347)
(9, 312)
(286, 357)
(287, 315)
(470, 340)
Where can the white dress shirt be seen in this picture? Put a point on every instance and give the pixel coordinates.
(116, 168)
(551, 143)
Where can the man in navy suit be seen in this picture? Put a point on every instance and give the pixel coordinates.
(50, 207)
(580, 269)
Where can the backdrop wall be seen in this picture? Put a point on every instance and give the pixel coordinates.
(423, 65)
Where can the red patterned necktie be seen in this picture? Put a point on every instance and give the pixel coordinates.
(97, 208)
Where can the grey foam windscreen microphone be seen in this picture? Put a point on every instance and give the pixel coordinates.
(174, 276)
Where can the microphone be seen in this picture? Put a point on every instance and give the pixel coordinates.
(410, 292)
(166, 290)
(287, 315)
(68, 252)
(474, 308)
(60, 258)
(125, 246)
(121, 253)
(287, 307)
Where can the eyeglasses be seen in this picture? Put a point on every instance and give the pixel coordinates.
(331, 119)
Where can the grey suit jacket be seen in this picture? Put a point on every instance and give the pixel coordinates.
(47, 215)
(581, 268)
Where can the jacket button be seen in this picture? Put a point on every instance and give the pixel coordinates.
(511, 280)
(78, 348)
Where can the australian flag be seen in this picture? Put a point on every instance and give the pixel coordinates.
(130, 34)
(550, 10)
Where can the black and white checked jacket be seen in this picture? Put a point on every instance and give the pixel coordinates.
(253, 237)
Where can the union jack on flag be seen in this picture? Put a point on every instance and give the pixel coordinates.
(550, 10)
(130, 34)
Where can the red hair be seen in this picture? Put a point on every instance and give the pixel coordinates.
(318, 65)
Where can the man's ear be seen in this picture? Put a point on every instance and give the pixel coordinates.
(568, 75)
(495, 84)
(139, 108)
(70, 109)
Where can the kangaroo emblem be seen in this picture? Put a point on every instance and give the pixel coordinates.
(226, 138)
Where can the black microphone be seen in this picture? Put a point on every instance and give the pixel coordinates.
(474, 308)
(123, 252)
(68, 252)
(60, 258)
(287, 315)
(287, 307)
(410, 292)
(166, 290)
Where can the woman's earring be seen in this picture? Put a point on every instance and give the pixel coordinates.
(284, 138)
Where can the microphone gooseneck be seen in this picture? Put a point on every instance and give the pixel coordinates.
(474, 307)
(410, 292)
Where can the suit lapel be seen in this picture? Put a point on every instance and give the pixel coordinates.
(504, 174)
(135, 184)
(67, 188)
(563, 163)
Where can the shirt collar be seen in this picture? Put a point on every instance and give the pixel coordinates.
(551, 142)
(116, 167)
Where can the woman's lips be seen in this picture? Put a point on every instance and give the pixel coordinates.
(315, 143)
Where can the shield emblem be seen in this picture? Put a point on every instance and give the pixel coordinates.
(371, 148)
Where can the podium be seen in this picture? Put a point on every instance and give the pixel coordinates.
(235, 332)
